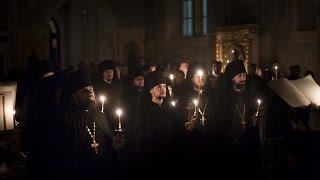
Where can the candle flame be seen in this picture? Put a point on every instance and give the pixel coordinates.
(171, 76)
(259, 101)
(173, 103)
(200, 73)
(119, 112)
(102, 98)
(195, 102)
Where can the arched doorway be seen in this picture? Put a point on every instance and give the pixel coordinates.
(132, 56)
(54, 53)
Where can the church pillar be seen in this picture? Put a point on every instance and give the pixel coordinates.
(28, 38)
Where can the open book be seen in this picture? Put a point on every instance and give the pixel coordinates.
(297, 93)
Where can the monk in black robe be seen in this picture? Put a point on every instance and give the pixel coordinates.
(197, 119)
(236, 132)
(88, 148)
(111, 87)
(155, 132)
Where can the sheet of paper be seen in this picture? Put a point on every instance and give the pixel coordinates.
(309, 88)
(289, 93)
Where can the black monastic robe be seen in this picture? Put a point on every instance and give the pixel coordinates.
(80, 159)
(154, 137)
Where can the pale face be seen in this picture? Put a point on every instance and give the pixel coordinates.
(108, 74)
(240, 79)
(159, 91)
(184, 67)
(153, 68)
(85, 96)
(199, 82)
(139, 81)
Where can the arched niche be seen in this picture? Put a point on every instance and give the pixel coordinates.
(131, 56)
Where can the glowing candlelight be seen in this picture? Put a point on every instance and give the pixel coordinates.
(259, 101)
(173, 103)
(171, 77)
(102, 99)
(119, 113)
(232, 51)
(276, 68)
(195, 102)
(228, 61)
(200, 74)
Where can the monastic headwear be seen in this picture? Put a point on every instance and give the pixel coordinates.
(106, 64)
(138, 73)
(194, 68)
(77, 80)
(154, 78)
(234, 68)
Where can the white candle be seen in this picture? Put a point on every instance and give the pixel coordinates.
(102, 99)
(259, 101)
(200, 74)
(195, 102)
(276, 68)
(119, 113)
(171, 77)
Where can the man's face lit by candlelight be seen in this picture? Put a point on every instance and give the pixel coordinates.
(159, 91)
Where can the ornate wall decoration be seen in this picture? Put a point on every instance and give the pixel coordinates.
(240, 38)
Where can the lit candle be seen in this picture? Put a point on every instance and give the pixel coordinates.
(259, 101)
(102, 99)
(173, 103)
(276, 68)
(195, 102)
(171, 77)
(228, 61)
(119, 113)
(232, 51)
(200, 74)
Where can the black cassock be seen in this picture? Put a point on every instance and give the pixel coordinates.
(114, 95)
(78, 156)
(197, 147)
(154, 136)
(237, 142)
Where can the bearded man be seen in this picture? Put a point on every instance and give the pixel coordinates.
(87, 146)
(236, 132)
(154, 132)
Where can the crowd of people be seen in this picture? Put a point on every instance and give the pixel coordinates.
(188, 121)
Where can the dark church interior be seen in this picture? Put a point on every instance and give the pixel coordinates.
(160, 89)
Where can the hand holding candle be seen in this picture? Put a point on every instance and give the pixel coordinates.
(102, 99)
